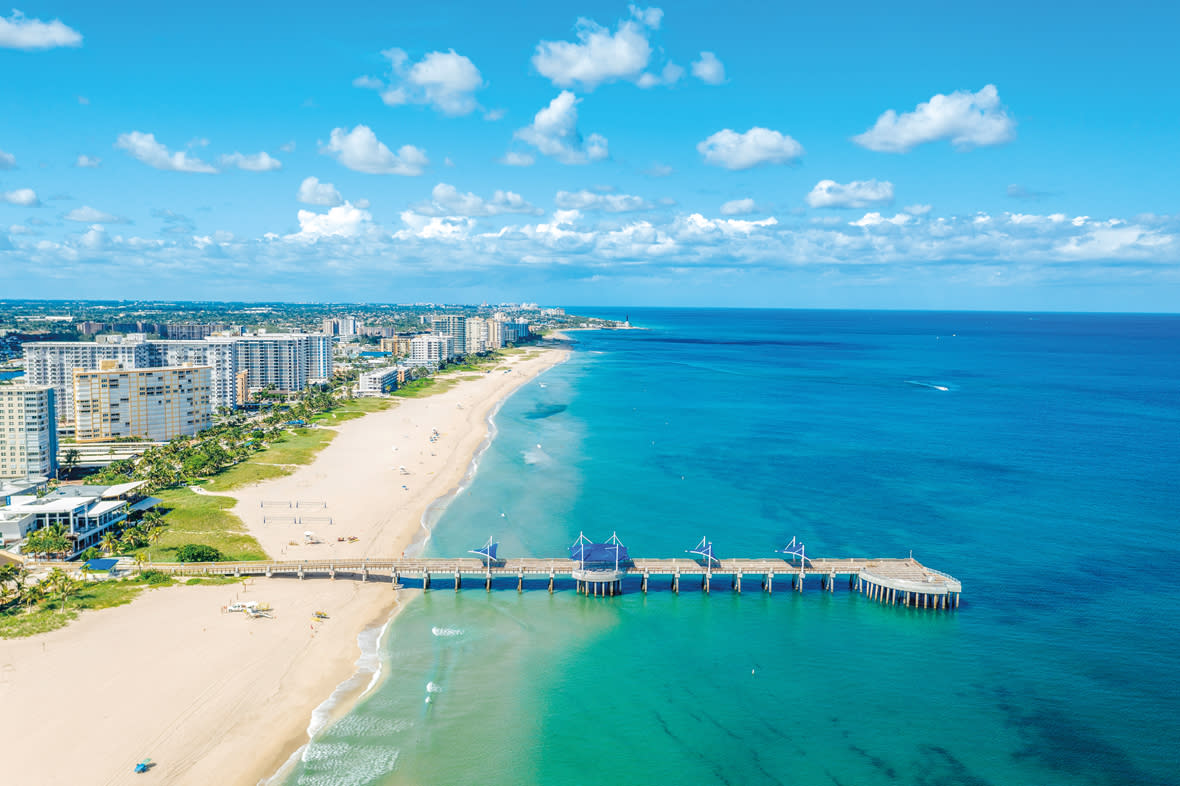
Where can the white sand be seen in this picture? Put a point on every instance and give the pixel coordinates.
(215, 697)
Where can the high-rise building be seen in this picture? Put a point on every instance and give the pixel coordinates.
(279, 361)
(189, 331)
(28, 431)
(495, 334)
(219, 354)
(53, 363)
(453, 326)
(341, 326)
(151, 403)
(319, 359)
(476, 331)
(431, 350)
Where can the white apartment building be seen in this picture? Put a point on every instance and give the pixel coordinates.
(151, 403)
(53, 363)
(378, 381)
(476, 330)
(319, 359)
(431, 350)
(341, 326)
(274, 360)
(219, 354)
(28, 431)
(453, 326)
(495, 334)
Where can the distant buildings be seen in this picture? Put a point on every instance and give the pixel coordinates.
(28, 431)
(53, 362)
(453, 326)
(150, 403)
(341, 326)
(398, 346)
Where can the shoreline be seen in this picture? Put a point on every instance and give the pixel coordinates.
(215, 697)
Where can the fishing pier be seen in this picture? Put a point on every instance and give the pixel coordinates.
(904, 582)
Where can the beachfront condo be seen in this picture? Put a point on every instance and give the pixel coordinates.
(28, 431)
(150, 403)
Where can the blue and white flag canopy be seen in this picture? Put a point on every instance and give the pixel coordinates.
(488, 550)
(705, 549)
(613, 550)
(795, 549)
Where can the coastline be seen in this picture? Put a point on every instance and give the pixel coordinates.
(214, 697)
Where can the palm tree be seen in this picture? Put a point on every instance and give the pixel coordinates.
(61, 583)
(8, 575)
(109, 543)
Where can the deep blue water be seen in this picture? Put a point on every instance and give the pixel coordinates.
(1045, 477)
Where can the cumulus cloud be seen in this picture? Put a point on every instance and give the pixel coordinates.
(439, 228)
(313, 192)
(446, 81)
(732, 150)
(600, 56)
(446, 200)
(87, 162)
(251, 162)
(342, 221)
(145, 148)
(858, 193)
(7, 160)
(876, 219)
(607, 203)
(517, 159)
(361, 151)
(24, 197)
(90, 215)
(967, 119)
(739, 207)
(709, 69)
(20, 32)
(554, 132)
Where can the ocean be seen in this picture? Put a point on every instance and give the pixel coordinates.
(1035, 457)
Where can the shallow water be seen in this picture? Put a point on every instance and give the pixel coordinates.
(1043, 476)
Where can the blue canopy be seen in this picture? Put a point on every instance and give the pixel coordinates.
(795, 549)
(487, 550)
(101, 564)
(611, 551)
(705, 549)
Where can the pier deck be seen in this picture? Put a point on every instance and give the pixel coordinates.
(894, 581)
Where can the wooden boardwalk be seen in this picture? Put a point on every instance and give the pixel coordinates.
(893, 581)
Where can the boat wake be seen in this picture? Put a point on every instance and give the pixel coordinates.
(930, 385)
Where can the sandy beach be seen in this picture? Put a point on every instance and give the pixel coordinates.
(214, 697)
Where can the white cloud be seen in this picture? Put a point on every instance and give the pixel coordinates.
(876, 219)
(145, 148)
(554, 132)
(361, 151)
(90, 215)
(858, 193)
(608, 203)
(251, 162)
(709, 69)
(739, 207)
(25, 197)
(669, 75)
(967, 119)
(1117, 242)
(313, 192)
(517, 159)
(420, 227)
(446, 200)
(7, 160)
(600, 56)
(445, 80)
(87, 162)
(362, 203)
(917, 210)
(20, 32)
(342, 221)
(732, 150)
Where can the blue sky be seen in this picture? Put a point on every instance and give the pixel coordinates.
(1021, 155)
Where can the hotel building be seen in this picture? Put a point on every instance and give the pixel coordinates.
(150, 403)
(28, 431)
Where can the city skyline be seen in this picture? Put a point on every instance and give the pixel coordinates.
(596, 153)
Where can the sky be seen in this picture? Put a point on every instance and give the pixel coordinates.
(1015, 156)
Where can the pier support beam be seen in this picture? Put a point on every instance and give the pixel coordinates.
(487, 581)
(737, 583)
(458, 581)
(676, 583)
(831, 582)
(550, 582)
(301, 574)
(519, 580)
(426, 580)
(705, 582)
(643, 586)
(769, 583)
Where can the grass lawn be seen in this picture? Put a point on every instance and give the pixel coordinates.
(16, 622)
(203, 519)
(292, 448)
(427, 386)
(351, 410)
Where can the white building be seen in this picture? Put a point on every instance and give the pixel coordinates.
(341, 326)
(28, 431)
(453, 326)
(320, 363)
(495, 334)
(53, 363)
(431, 350)
(476, 330)
(274, 360)
(378, 381)
(85, 513)
(151, 403)
(219, 354)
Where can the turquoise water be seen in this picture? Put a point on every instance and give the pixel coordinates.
(1044, 477)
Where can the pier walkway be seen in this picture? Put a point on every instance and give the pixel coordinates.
(892, 581)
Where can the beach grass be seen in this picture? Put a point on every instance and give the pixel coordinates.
(427, 386)
(353, 409)
(47, 615)
(203, 519)
(279, 458)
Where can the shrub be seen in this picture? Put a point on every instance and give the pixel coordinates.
(155, 577)
(195, 552)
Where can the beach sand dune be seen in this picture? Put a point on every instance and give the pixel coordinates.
(214, 697)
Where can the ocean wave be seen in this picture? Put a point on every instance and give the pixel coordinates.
(446, 632)
(433, 687)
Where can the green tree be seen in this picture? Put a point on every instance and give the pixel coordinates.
(196, 552)
(70, 460)
(109, 542)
